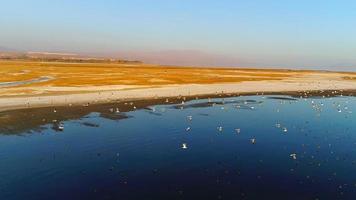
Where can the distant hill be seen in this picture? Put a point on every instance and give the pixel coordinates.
(2, 48)
(8, 54)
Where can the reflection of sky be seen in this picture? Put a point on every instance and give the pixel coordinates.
(144, 152)
(269, 33)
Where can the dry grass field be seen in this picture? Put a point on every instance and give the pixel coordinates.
(79, 74)
(18, 78)
(101, 74)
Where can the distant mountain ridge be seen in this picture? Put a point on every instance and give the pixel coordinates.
(8, 54)
(2, 48)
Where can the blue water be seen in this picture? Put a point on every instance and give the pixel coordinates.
(285, 149)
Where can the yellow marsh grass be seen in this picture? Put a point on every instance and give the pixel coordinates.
(83, 75)
(100, 74)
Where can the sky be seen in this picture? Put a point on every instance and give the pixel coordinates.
(256, 33)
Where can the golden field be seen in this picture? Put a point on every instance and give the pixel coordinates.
(102, 74)
(83, 74)
(69, 78)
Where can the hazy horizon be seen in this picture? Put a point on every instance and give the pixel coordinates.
(281, 34)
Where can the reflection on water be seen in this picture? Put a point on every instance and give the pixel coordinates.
(90, 124)
(37, 119)
(241, 103)
(250, 147)
(283, 98)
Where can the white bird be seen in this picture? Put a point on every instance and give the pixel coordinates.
(58, 127)
(220, 128)
(294, 156)
(238, 130)
(184, 146)
(253, 140)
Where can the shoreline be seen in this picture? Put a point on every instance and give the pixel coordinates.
(177, 91)
(33, 118)
(100, 83)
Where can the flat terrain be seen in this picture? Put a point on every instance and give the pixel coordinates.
(34, 83)
(65, 77)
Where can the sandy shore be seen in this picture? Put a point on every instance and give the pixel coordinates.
(79, 84)
(106, 94)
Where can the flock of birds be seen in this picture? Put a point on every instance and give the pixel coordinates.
(59, 126)
(335, 103)
(316, 105)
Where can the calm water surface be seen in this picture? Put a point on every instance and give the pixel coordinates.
(252, 147)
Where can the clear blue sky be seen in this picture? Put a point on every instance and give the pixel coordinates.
(248, 32)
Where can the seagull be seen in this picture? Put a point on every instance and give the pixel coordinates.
(61, 127)
(220, 128)
(294, 156)
(253, 140)
(184, 146)
(238, 130)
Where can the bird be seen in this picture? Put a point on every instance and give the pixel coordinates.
(238, 130)
(294, 156)
(253, 140)
(184, 146)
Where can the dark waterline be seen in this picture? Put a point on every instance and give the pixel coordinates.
(251, 147)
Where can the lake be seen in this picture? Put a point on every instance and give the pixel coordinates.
(244, 147)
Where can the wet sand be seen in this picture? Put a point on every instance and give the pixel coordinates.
(91, 84)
